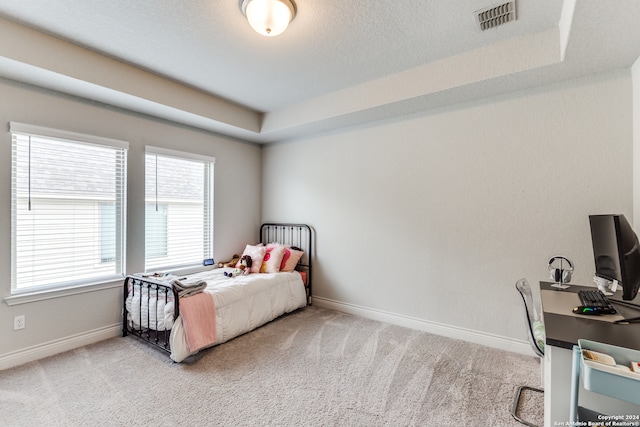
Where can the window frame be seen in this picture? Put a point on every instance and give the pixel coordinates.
(208, 205)
(58, 288)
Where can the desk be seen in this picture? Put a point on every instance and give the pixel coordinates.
(562, 333)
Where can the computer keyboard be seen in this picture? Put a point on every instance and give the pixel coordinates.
(596, 299)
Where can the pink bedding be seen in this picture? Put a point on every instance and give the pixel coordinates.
(199, 319)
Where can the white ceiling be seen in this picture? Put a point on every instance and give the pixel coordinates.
(340, 62)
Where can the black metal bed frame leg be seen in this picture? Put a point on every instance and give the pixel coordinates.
(124, 307)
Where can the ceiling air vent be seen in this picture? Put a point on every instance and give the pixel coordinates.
(493, 16)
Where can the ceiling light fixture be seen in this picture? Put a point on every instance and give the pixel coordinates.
(269, 17)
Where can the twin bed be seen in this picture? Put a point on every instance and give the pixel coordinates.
(183, 315)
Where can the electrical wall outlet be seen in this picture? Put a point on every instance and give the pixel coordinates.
(18, 322)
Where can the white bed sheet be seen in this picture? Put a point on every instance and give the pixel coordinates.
(243, 303)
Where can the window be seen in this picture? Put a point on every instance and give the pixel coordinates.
(178, 209)
(156, 230)
(67, 208)
(107, 236)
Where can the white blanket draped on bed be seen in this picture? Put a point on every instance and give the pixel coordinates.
(242, 304)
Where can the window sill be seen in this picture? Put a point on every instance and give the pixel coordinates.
(29, 297)
(185, 270)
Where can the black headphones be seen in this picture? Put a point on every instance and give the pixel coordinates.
(562, 274)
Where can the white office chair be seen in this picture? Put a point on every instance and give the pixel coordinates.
(535, 330)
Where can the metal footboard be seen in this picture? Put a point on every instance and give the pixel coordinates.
(146, 326)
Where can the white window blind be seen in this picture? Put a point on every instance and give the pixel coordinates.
(178, 209)
(67, 208)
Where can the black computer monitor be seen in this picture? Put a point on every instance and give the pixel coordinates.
(616, 252)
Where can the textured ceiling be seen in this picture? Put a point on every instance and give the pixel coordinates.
(338, 50)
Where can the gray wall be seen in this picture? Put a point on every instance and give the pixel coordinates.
(426, 217)
(434, 217)
(237, 203)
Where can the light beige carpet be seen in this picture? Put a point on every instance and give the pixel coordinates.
(315, 367)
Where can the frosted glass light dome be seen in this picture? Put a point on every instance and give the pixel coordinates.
(269, 17)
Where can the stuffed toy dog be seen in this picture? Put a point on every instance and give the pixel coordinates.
(243, 268)
(231, 263)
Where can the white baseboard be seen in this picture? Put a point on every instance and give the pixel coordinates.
(490, 340)
(61, 345)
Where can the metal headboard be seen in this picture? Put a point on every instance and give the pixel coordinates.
(298, 235)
